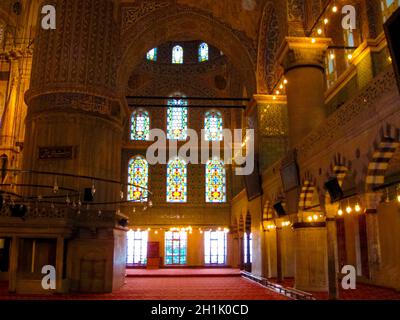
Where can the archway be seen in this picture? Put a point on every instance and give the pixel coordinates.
(171, 24)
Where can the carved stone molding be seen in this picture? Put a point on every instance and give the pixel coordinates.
(300, 51)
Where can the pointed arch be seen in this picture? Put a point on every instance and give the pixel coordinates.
(138, 178)
(177, 55)
(215, 181)
(213, 126)
(177, 181)
(140, 125)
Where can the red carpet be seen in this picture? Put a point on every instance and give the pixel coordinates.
(189, 288)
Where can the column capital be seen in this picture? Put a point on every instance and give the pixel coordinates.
(303, 51)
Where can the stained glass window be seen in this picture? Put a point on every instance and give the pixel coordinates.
(213, 126)
(136, 247)
(177, 119)
(175, 247)
(140, 125)
(215, 247)
(138, 175)
(388, 7)
(215, 181)
(177, 55)
(203, 52)
(152, 55)
(176, 181)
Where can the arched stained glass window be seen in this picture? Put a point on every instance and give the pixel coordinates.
(177, 181)
(215, 181)
(140, 125)
(138, 175)
(152, 55)
(177, 119)
(177, 55)
(203, 52)
(213, 126)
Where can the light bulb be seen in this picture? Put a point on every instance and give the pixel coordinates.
(315, 217)
(334, 9)
(285, 81)
(349, 56)
(319, 31)
(398, 198)
(357, 208)
(313, 40)
(281, 86)
(309, 218)
(326, 20)
(348, 209)
(332, 56)
(156, 232)
(340, 212)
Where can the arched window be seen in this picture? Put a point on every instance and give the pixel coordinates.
(215, 181)
(176, 181)
(213, 126)
(152, 55)
(388, 7)
(138, 175)
(177, 55)
(203, 52)
(177, 119)
(140, 125)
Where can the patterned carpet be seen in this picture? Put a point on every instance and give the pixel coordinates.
(167, 288)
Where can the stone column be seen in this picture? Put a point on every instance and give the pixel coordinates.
(279, 271)
(311, 269)
(73, 104)
(331, 212)
(13, 269)
(371, 202)
(59, 264)
(303, 61)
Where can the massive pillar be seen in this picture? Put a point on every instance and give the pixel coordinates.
(303, 61)
(331, 211)
(371, 203)
(74, 126)
(311, 257)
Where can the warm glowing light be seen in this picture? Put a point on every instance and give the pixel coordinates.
(281, 86)
(340, 212)
(326, 20)
(278, 92)
(334, 9)
(319, 31)
(313, 40)
(156, 232)
(357, 208)
(309, 218)
(332, 56)
(273, 98)
(315, 217)
(349, 56)
(285, 81)
(348, 209)
(148, 229)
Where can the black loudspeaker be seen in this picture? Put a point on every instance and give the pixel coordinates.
(279, 209)
(334, 189)
(392, 27)
(18, 210)
(123, 222)
(88, 196)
